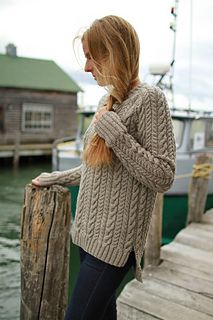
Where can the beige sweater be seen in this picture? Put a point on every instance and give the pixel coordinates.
(115, 202)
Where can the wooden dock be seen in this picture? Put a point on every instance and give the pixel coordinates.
(24, 150)
(181, 286)
(8, 151)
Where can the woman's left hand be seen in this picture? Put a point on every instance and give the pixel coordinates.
(99, 113)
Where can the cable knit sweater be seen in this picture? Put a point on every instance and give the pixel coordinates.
(115, 202)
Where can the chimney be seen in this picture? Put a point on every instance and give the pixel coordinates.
(11, 50)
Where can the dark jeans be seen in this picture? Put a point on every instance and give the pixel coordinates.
(94, 294)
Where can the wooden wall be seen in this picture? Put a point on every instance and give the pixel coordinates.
(64, 115)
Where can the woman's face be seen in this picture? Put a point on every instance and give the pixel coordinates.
(89, 65)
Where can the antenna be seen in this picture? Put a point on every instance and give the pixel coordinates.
(190, 55)
(173, 27)
(167, 70)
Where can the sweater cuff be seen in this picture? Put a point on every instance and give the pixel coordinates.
(47, 179)
(64, 178)
(109, 127)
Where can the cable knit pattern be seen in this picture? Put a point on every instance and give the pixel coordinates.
(65, 178)
(115, 202)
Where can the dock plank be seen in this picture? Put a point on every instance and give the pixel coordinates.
(190, 282)
(195, 228)
(199, 240)
(205, 226)
(181, 287)
(126, 312)
(187, 270)
(186, 255)
(174, 294)
(208, 217)
(159, 307)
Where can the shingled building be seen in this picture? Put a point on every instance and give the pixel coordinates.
(38, 100)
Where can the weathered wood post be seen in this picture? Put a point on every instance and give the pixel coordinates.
(198, 188)
(45, 244)
(16, 150)
(153, 243)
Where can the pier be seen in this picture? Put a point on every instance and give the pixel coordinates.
(181, 286)
(15, 150)
(177, 277)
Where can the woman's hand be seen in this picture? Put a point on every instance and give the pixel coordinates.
(45, 179)
(99, 113)
(36, 182)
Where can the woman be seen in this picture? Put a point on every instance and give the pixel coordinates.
(129, 156)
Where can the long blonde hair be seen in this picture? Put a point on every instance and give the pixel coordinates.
(114, 48)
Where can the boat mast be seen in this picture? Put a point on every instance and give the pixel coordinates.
(167, 71)
(173, 27)
(190, 56)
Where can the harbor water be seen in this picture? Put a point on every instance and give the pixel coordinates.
(12, 183)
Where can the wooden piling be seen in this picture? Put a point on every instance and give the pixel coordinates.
(16, 152)
(153, 243)
(198, 188)
(45, 244)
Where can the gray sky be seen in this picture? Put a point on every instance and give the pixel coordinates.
(45, 29)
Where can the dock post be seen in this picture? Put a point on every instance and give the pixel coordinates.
(153, 243)
(45, 245)
(198, 188)
(16, 151)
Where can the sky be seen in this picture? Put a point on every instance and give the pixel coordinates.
(45, 29)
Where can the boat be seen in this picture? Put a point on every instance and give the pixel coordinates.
(67, 151)
(193, 131)
(193, 134)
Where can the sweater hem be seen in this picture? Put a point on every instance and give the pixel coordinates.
(104, 252)
(110, 255)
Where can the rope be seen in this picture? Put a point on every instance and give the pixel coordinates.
(199, 171)
(202, 170)
(181, 176)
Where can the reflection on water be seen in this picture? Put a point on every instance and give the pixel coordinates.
(12, 185)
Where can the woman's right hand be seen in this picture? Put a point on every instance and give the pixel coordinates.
(36, 182)
(45, 179)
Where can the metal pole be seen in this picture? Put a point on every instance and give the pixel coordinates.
(174, 41)
(190, 55)
(174, 28)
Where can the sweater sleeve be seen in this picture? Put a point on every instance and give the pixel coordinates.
(69, 177)
(153, 165)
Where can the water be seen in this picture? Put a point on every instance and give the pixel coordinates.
(12, 185)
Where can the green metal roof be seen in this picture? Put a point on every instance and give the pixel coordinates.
(28, 73)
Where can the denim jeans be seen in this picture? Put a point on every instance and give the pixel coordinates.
(94, 295)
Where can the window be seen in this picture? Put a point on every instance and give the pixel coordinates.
(209, 133)
(1, 119)
(37, 117)
(197, 134)
(178, 131)
(201, 135)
